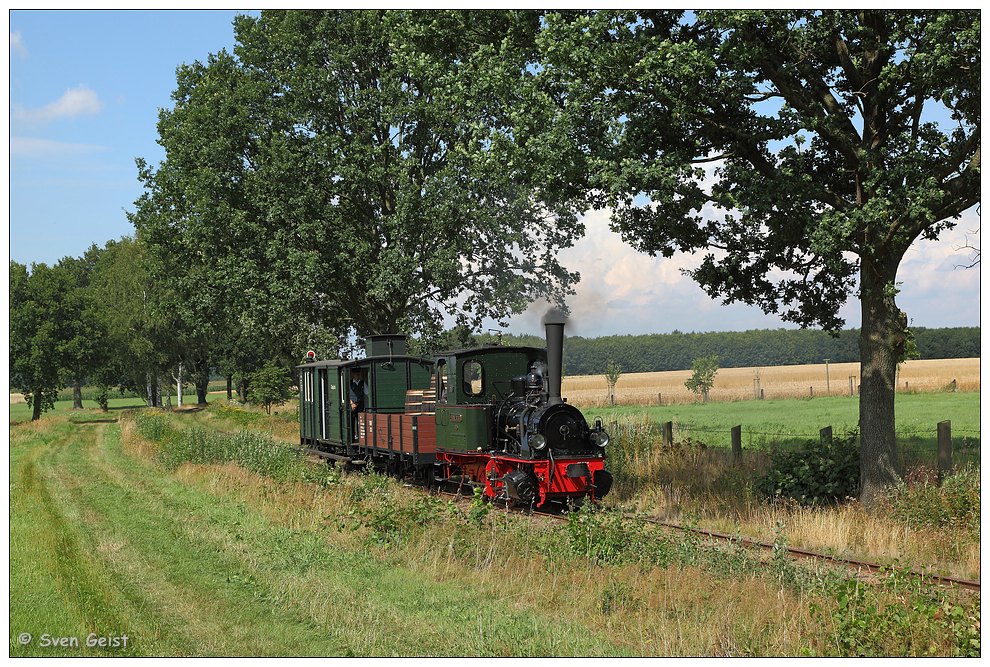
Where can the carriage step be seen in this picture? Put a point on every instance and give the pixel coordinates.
(328, 455)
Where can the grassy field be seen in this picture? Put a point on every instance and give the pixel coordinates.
(104, 543)
(765, 423)
(21, 412)
(777, 382)
(112, 534)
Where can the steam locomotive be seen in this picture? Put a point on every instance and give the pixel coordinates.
(488, 417)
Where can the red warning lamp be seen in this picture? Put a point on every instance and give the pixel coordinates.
(311, 355)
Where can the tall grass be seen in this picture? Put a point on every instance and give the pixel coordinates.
(679, 478)
(653, 592)
(689, 482)
(254, 451)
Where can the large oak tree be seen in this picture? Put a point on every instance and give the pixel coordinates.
(806, 150)
(355, 170)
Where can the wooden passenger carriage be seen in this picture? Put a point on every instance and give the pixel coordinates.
(327, 422)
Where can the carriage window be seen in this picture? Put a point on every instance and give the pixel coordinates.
(473, 378)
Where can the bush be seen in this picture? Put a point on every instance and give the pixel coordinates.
(235, 414)
(921, 503)
(153, 426)
(815, 474)
(602, 536)
(881, 620)
(256, 452)
(269, 386)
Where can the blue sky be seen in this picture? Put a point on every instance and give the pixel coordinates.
(85, 90)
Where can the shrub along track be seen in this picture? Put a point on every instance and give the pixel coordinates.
(106, 543)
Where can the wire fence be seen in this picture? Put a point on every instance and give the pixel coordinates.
(916, 446)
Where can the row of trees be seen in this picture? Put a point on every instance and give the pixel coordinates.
(736, 349)
(344, 173)
(105, 320)
(100, 319)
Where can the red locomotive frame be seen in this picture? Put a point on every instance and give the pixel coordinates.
(553, 480)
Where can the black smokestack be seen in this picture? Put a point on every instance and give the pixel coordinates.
(554, 322)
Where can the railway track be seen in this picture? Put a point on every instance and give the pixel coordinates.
(814, 555)
(794, 552)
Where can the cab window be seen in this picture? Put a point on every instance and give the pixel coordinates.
(474, 377)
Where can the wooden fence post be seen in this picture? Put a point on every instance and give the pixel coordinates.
(944, 449)
(826, 435)
(667, 433)
(737, 443)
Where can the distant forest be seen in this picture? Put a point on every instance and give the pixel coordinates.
(765, 347)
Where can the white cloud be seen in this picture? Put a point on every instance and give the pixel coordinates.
(626, 292)
(936, 289)
(17, 46)
(29, 147)
(74, 102)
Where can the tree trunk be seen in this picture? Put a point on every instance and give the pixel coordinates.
(77, 395)
(881, 342)
(178, 386)
(36, 407)
(230, 387)
(242, 390)
(149, 379)
(202, 386)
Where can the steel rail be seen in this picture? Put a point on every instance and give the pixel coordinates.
(943, 580)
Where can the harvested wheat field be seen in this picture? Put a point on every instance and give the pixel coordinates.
(733, 384)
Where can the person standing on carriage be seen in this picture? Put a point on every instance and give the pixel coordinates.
(357, 389)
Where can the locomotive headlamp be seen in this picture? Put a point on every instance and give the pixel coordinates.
(600, 438)
(537, 441)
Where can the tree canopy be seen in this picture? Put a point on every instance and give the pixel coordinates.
(804, 150)
(49, 331)
(355, 169)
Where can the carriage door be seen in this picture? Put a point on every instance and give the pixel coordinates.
(333, 404)
(322, 398)
(306, 405)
